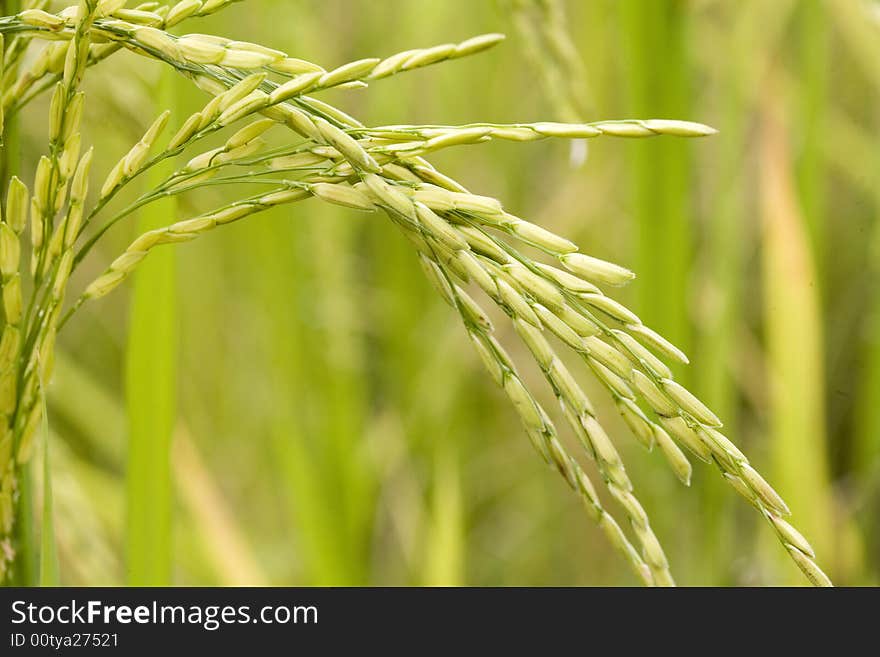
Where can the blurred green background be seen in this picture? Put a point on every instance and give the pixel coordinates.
(327, 420)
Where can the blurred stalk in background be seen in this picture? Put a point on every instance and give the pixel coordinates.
(28, 572)
(719, 307)
(812, 176)
(856, 156)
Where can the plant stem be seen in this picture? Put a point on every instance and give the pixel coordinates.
(49, 569)
(658, 69)
(795, 355)
(866, 452)
(26, 569)
(151, 394)
(815, 58)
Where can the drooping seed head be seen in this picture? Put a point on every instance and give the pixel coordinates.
(478, 44)
(510, 297)
(254, 101)
(791, 536)
(347, 72)
(12, 298)
(56, 112)
(559, 328)
(476, 271)
(568, 388)
(446, 140)
(439, 228)
(542, 290)
(566, 130)
(483, 244)
(536, 343)
(342, 195)
(639, 519)
(637, 422)
(233, 48)
(565, 280)
(43, 182)
(249, 133)
(389, 195)
(62, 275)
(428, 56)
(602, 444)
(69, 156)
(200, 51)
(562, 461)
(471, 310)
(616, 385)
(582, 325)
(240, 90)
(73, 116)
(294, 66)
(809, 567)
(347, 145)
(679, 128)
(488, 358)
(10, 250)
(296, 86)
(40, 18)
(181, 11)
(594, 269)
(479, 205)
(722, 446)
(160, 41)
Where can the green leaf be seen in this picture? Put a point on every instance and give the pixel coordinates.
(151, 394)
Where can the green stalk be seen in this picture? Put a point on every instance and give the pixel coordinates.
(151, 394)
(794, 337)
(49, 571)
(814, 87)
(658, 69)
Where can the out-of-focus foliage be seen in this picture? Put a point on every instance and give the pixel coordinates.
(333, 424)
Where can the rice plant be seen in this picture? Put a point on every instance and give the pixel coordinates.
(470, 247)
